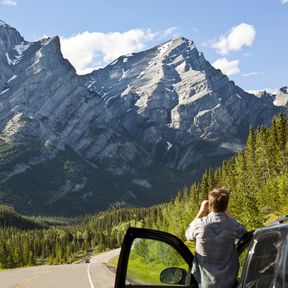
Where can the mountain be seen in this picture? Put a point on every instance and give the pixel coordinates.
(180, 107)
(133, 132)
(280, 98)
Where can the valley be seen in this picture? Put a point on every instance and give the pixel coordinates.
(86, 275)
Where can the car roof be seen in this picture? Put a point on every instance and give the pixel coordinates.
(273, 227)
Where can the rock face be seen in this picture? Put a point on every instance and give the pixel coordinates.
(174, 102)
(281, 97)
(131, 132)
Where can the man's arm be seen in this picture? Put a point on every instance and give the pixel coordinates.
(190, 231)
(204, 209)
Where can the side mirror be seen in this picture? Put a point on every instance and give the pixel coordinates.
(173, 275)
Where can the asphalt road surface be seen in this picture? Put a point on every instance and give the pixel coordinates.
(90, 275)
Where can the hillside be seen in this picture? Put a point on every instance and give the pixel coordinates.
(10, 218)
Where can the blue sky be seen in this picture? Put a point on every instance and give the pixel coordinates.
(247, 39)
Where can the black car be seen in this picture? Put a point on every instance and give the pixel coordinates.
(151, 258)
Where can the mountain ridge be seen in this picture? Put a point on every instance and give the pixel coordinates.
(137, 129)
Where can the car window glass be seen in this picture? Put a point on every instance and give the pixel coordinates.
(242, 258)
(262, 259)
(152, 262)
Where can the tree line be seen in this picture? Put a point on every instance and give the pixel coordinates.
(257, 178)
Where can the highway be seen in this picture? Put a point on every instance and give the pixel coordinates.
(90, 275)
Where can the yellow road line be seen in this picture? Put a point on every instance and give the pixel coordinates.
(24, 281)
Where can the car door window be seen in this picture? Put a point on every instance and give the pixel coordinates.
(242, 246)
(153, 262)
(261, 263)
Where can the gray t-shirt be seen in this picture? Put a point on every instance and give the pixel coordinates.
(216, 261)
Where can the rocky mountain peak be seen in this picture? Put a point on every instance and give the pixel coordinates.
(264, 95)
(176, 47)
(179, 46)
(281, 97)
(9, 37)
(3, 24)
(12, 45)
(284, 89)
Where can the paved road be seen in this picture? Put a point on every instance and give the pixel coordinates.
(92, 275)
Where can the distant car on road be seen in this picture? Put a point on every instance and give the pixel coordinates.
(87, 260)
(151, 258)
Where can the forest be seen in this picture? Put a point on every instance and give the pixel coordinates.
(257, 178)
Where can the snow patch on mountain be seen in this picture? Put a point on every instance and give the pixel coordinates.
(10, 62)
(142, 182)
(234, 147)
(18, 169)
(163, 49)
(169, 145)
(12, 78)
(124, 74)
(4, 91)
(20, 49)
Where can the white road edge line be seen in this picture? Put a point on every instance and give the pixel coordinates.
(89, 276)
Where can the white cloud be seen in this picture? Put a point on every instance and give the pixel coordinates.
(253, 91)
(268, 90)
(9, 2)
(88, 51)
(243, 34)
(227, 67)
(284, 1)
(169, 31)
(252, 74)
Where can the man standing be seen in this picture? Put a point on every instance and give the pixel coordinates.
(216, 261)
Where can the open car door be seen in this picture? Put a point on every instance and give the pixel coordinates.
(151, 258)
(155, 259)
